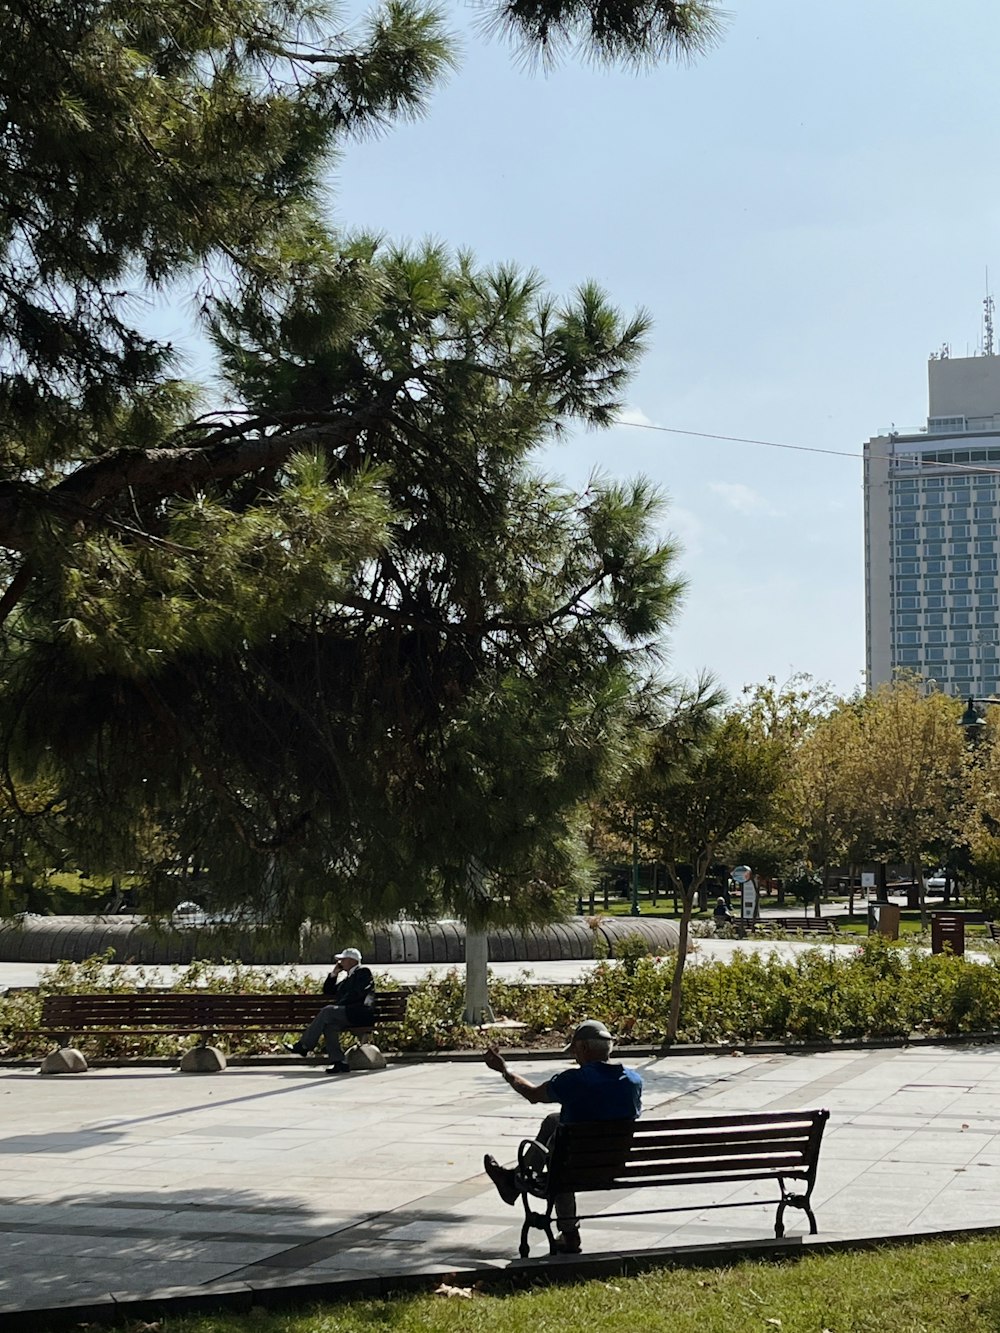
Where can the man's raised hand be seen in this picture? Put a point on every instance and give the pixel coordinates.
(494, 1059)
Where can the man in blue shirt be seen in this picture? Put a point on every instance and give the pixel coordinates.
(596, 1090)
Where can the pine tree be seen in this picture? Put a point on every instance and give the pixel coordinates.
(340, 644)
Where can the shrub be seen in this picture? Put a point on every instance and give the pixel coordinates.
(880, 990)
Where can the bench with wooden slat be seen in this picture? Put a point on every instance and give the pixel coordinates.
(806, 925)
(205, 1013)
(640, 1155)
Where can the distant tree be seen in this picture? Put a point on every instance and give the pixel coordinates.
(792, 713)
(701, 783)
(911, 773)
(826, 814)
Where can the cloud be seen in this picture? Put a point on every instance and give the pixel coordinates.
(633, 416)
(744, 499)
(688, 529)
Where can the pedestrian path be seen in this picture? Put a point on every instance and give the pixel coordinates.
(128, 1181)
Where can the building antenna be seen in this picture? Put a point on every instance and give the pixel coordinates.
(988, 319)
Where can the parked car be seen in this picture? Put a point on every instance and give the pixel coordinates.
(192, 914)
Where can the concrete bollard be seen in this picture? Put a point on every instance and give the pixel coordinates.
(67, 1060)
(203, 1060)
(365, 1056)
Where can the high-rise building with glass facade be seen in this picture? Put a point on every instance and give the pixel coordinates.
(932, 503)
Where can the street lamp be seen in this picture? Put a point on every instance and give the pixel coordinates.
(972, 720)
(635, 909)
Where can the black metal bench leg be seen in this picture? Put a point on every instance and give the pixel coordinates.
(543, 1221)
(796, 1201)
(547, 1224)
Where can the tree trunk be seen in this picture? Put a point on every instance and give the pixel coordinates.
(818, 907)
(881, 887)
(477, 995)
(676, 981)
(917, 877)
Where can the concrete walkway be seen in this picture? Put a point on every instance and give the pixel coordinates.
(124, 1182)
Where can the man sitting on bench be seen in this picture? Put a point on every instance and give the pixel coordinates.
(352, 989)
(597, 1090)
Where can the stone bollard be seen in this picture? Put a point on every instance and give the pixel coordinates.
(365, 1056)
(203, 1060)
(67, 1060)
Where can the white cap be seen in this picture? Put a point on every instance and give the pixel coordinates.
(349, 953)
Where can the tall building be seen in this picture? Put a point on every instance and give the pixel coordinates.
(932, 503)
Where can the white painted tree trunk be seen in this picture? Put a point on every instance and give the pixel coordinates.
(477, 999)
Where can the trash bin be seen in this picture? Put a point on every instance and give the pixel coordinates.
(947, 929)
(883, 919)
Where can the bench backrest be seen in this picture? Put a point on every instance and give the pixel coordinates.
(807, 925)
(626, 1154)
(200, 1010)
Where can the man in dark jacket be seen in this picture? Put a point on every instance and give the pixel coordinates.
(351, 987)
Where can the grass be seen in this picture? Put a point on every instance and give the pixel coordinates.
(940, 1287)
(909, 922)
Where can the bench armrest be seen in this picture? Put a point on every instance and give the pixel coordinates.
(533, 1170)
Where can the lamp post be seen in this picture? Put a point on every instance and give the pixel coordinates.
(972, 720)
(635, 910)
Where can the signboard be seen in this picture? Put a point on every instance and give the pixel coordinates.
(748, 900)
(868, 879)
(743, 877)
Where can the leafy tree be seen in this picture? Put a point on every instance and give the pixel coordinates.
(829, 812)
(975, 852)
(909, 774)
(708, 774)
(793, 713)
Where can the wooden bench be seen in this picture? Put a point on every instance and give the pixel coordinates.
(805, 925)
(634, 1155)
(994, 928)
(206, 1014)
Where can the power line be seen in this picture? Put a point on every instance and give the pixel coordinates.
(739, 439)
(916, 459)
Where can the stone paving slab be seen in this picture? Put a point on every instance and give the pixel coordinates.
(129, 1181)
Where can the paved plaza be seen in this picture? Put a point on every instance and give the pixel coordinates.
(128, 1181)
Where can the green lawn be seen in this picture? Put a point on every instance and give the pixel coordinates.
(909, 922)
(941, 1288)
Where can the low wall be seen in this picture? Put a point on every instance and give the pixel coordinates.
(131, 939)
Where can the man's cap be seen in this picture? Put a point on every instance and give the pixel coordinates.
(590, 1030)
(349, 953)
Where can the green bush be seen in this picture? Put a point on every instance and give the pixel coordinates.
(880, 990)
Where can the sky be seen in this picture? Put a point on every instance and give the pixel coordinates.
(807, 211)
